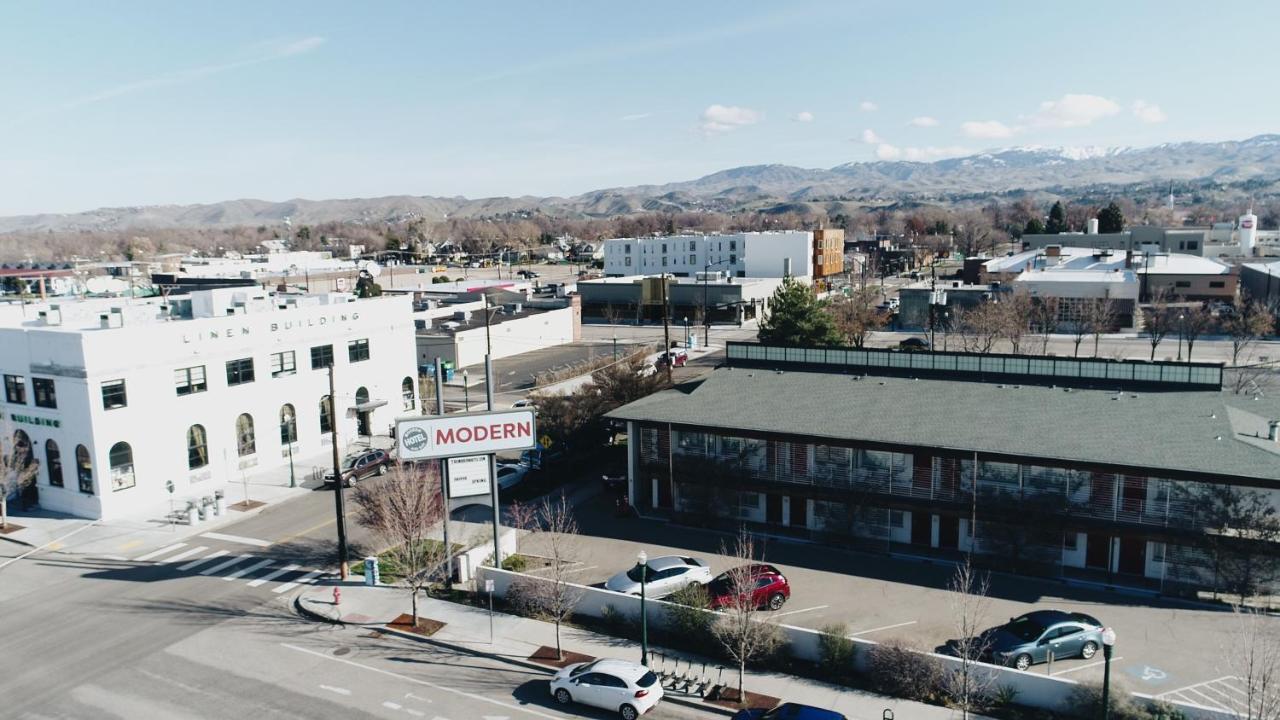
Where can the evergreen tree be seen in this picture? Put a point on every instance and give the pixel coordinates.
(798, 318)
(1110, 219)
(1034, 227)
(1057, 219)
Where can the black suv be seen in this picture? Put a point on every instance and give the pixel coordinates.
(358, 466)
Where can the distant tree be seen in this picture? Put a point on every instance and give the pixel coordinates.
(975, 235)
(797, 318)
(979, 327)
(1248, 322)
(1101, 318)
(1195, 321)
(1110, 219)
(366, 287)
(856, 317)
(1157, 320)
(968, 685)
(1057, 219)
(1034, 227)
(1044, 320)
(1240, 528)
(1016, 310)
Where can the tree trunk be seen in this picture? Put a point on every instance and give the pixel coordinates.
(413, 595)
(1153, 352)
(4, 510)
(559, 652)
(742, 671)
(1190, 344)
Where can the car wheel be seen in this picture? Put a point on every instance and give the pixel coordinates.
(563, 697)
(382, 469)
(1022, 662)
(628, 712)
(1089, 650)
(776, 600)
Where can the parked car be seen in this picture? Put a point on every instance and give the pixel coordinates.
(524, 403)
(540, 458)
(511, 474)
(914, 344)
(789, 711)
(666, 575)
(527, 274)
(680, 358)
(358, 466)
(770, 588)
(1028, 639)
(623, 687)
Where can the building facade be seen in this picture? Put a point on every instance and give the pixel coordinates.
(115, 401)
(753, 254)
(828, 252)
(1054, 466)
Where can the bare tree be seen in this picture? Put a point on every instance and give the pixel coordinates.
(1044, 320)
(1195, 321)
(18, 467)
(856, 317)
(1248, 321)
(1016, 309)
(970, 604)
(1100, 319)
(1157, 320)
(552, 596)
(979, 326)
(743, 637)
(1253, 657)
(404, 509)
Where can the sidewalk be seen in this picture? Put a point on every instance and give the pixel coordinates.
(516, 638)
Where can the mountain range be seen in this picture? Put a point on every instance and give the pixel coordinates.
(761, 187)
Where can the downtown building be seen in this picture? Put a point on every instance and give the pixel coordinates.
(772, 254)
(114, 399)
(1091, 470)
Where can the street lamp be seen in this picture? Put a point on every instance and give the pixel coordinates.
(289, 433)
(642, 563)
(687, 336)
(1181, 326)
(1108, 640)
(466, 391)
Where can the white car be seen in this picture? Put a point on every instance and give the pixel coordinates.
(666, 575)
(511, 474)
(623, 687)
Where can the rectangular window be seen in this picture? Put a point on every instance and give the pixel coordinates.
(733, 245)
(240, 371)
(628, 248)
(283, 363)
(190, 380)
(113, 395)
(628, 261)
(896, 519)
(733, 259)
(321, 357)
(1157, 552)
(664, 261)
(1217, 283)
(15, 389)
(358, 350)
(1182, 283)
(664, 247)
(44, 392)
(1071, 541)
(693, 260)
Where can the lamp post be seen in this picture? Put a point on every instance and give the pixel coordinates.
(289, 434)
(466, 391)
(642, 562)
(1181, 326)
(687, 336)
(1108, 640)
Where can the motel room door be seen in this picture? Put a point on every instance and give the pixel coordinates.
(921, 528)
(1097, 552)
(949, 532)
(773, 508)
(1133, 556)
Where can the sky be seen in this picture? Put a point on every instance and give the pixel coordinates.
(108, 104)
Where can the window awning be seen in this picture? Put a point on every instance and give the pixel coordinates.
(368, 405)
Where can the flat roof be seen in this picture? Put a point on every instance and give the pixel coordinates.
(1199, 431)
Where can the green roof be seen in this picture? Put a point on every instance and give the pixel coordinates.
(1203, 432)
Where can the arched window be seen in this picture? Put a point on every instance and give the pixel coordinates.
(197, 447)
(362, 395)
(406, 391)
(245, 443)
(84, 469)
(121, 459)
(362, 416)
(53, 461)
(288, 425)
(326, 415)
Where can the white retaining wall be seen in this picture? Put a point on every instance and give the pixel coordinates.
(1036, 690)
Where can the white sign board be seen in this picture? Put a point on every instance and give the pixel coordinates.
(468, 476)
(442, 436)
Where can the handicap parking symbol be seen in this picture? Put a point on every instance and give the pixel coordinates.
(1148, 674)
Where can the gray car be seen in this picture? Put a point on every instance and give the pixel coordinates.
(1028, 639)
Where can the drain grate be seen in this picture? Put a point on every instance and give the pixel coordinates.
(342, 651)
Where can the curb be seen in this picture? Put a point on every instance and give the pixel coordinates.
(16, 541)
(321, 617)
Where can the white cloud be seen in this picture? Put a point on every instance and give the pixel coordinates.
(986, 129)
(636, 116)
(724, 118)
(803, 116)
(868, 106)
(885, 151)
(1073, 111)
(1148, 112)
(924, 121)
(870, 137)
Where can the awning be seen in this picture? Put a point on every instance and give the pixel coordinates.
(368, 405)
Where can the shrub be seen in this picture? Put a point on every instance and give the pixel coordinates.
(895, 669)
(836, 653)
(619, 624)
(515, 563)
(1085, 701)
(687, 620)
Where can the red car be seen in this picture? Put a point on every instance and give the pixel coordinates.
(771, 587)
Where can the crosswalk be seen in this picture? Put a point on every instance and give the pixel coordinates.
(254, 570)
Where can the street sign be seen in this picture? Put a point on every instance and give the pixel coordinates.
(443, 436)
(488, 586)
(545, 441)
(168, 485)
(468, 476)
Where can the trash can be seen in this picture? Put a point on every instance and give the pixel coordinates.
(371, 575)
(191, 512)
(219, 502)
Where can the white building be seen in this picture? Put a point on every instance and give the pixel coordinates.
(756, 254)
(1077, 278)
(117, 399)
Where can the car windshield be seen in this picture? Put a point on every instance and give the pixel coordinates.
(647, 680)
(1024, 628)
(350, 462)
(634, 574)
(581, 669)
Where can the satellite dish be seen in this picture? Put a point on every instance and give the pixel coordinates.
(371, 267)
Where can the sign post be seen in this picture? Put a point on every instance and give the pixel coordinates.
(488, 587)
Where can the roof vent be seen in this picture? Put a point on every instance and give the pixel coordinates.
(1273, 431)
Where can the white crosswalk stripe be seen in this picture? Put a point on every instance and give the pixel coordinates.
(224, 564)
(300, 581)
(273, 575)
(162, 551)
(186, 554)
(197, 563)
(248, 569)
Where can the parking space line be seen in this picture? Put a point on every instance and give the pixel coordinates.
(1082, 667)
(794, 612)
(886, 627)
(1196, 685)
(1208, 700)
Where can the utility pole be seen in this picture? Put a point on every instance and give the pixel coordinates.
(443, 466)
(338, 507)
(666, 328)
(493, 468)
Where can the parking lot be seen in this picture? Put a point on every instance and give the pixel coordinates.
(1163, 647)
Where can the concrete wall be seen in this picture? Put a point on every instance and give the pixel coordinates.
(1036, 690)
(512, 337)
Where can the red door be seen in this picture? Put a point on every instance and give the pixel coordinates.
(949, 532)
(1097, 552)
(921, 528)
(799, 512)
(1133, 556)
(773, 508)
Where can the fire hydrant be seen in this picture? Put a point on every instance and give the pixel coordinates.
(337, 596)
